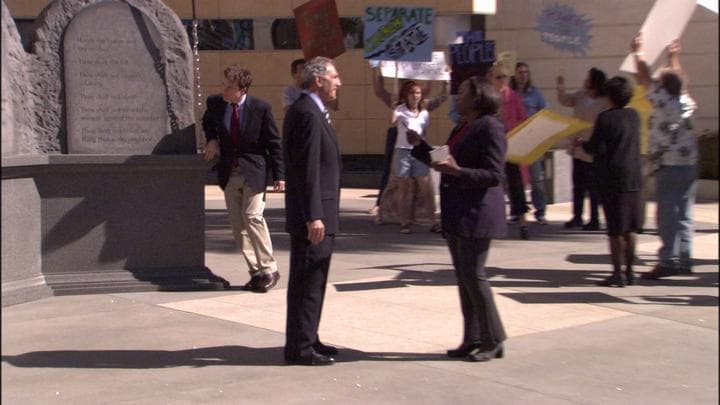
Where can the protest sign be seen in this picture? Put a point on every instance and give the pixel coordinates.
(470, 58)
(436, 69)
(665, 22)
(533, 137)
(319, 29)
(398, 33)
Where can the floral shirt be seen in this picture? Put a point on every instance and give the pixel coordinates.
(672, 140)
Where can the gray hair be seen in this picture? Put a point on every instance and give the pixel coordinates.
(315, 67)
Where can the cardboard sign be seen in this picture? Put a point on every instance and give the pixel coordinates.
(398, 33)
(470, 58)
(436, 69)
(533, 137)
(665, 22)
(319, 30)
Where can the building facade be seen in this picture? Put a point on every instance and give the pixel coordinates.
(260, 35)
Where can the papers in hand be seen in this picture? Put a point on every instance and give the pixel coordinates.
(440, 153)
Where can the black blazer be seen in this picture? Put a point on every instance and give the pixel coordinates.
(312, 159)
(260, 143)
(473, 204)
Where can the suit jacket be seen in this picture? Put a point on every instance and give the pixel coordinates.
(473, 204)
(259, 146)
(313, 162)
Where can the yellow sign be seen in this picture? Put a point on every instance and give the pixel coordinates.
(533, 137)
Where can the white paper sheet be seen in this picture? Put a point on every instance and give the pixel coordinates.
(665, 22)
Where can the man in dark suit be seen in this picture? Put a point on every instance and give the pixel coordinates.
(241, 130)
(312, 203)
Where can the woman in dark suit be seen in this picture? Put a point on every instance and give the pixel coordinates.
(473, 211)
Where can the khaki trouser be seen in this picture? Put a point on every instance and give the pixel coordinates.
(245, 207)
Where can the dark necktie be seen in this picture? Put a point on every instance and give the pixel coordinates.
(235, 124)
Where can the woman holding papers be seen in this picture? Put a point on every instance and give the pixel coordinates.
(473, 210)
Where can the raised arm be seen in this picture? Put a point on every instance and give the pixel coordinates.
(379, 88)
(642, 71)
(436, 101)
(568, 100)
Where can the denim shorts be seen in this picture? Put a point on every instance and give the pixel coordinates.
(405, 165)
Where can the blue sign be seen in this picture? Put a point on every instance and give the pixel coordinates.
(564, 29)
(398, 33)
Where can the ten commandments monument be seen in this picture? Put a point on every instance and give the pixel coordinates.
(102, 186)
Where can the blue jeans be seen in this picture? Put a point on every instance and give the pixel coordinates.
(537, 182)
(405, 165)
(675, 199)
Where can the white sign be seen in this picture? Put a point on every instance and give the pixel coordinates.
(665, 22)
(436, 69)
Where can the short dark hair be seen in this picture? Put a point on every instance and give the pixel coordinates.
(294, 65)
(618, 90)
(671, 82)
(238, 75)
(513, 80)
(487, 99)
(597, 79)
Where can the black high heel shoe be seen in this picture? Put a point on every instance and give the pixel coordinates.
(463, 350)
(487, 353)
(613, 281)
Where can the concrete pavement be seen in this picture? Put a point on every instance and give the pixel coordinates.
(392, 305)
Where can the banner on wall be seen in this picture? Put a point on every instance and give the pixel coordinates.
(472, 57)
(398, 33)
(665, 22)
(319, 30)
(436, 69)
(561, 27)
(536, 135)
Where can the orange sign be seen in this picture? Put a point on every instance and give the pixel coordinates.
(318, 27)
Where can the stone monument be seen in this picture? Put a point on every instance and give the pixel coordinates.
(103, 189)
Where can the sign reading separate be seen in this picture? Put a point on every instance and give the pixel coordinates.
(436, 69)
(319, 29)
(398, 33)
(533, 137)
(664, 23)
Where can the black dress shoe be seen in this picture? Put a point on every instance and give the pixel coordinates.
(573, 223)
(463, 350)
(613, 281)
(487, 353)
(325, 349)
(313, 359)
(658, 272)
(629, 277)
(266, 282)
(252, 284)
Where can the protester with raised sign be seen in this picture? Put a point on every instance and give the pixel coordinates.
(391, 137)
(473, 211)
(673, 154)
(414, 199)
(512, 113)
(587, 103)
(533, 101)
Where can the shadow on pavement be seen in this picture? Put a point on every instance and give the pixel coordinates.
(201, 357)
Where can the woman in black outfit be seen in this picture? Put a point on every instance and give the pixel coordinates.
(473, 211)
